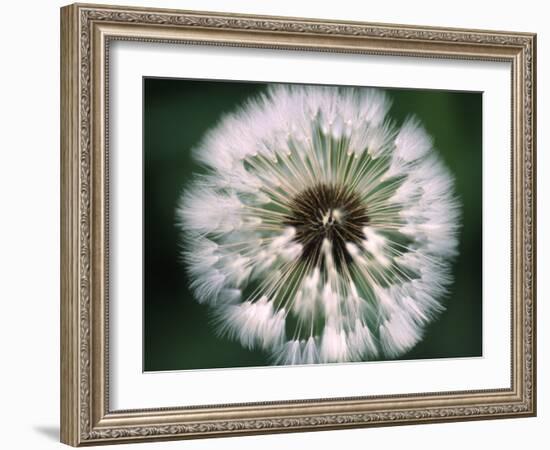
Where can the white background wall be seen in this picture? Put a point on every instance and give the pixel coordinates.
(29, 223)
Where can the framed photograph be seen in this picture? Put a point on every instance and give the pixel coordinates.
(276, 224)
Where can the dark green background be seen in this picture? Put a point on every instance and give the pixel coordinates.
(178, 333)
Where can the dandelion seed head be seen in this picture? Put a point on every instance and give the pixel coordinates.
(322, 232)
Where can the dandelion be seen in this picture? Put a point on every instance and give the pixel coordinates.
(321, 231)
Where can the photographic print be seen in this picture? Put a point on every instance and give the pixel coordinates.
(344, 212)
(291, 224)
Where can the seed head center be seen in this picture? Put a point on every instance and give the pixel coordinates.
(327, 211)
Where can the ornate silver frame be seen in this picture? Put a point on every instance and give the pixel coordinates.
(86, 31)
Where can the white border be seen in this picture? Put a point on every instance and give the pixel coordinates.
(132, 389)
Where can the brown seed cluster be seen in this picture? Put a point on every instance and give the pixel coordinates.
(327, 211)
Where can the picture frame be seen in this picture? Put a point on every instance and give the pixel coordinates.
(88, 33)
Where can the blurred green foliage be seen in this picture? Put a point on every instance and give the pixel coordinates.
(178, 333)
